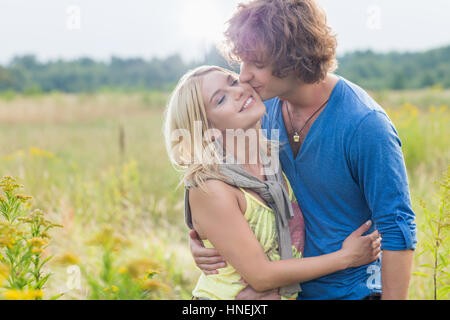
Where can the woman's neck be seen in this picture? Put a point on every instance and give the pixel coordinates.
(245, 150)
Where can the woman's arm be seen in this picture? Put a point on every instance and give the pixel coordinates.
(217, 217)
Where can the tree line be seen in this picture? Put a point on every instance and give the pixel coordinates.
(371, 70)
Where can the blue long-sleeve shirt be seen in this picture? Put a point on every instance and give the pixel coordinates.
(349, 169)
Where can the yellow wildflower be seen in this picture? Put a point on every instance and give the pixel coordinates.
(113, 288)
(7, 242)
(9, 184)
(45, 235)
(8, 235)
(138, 268)
(37, 242)
(22, 197)
(36, 250)
(67, 258)
(12, 156)
(15, 294)
(151, 273)
(443, 108)
(34, 294)
(109, 239)
(41, 153)
(12, 295)
(4, 272)
(410, 109)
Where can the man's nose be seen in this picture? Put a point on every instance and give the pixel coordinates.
(245, 74)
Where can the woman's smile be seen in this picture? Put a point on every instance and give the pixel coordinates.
(248, 103)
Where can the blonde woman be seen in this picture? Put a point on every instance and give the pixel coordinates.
(240, 207)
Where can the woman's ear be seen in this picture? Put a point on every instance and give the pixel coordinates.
(211, 130)
(213, 134)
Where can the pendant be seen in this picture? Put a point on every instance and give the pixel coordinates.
(296, 137)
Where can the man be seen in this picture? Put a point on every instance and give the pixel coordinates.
(341, 152)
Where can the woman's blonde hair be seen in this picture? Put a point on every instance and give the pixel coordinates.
(185, 111)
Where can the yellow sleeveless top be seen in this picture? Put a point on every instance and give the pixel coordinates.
(225, 285)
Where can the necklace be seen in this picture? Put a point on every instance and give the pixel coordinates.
(296, 135)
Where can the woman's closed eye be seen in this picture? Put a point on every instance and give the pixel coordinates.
(222, 99)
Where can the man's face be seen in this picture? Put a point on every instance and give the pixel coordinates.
(260, 77)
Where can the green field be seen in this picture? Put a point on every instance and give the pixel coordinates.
(96, 164)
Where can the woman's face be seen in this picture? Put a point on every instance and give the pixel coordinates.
(230, 104)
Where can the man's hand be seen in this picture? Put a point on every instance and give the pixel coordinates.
(206, 259)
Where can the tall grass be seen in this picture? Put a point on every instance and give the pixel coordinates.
(436, 241)
(425, 136)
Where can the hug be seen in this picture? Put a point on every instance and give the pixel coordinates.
(334, 219)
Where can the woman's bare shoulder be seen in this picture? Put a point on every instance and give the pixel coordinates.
(217, 199)
(214, 190)
(211, 186)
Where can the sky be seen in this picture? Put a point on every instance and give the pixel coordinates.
(98, 29)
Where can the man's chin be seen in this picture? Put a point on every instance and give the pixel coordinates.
(265, 97)
(262, 95)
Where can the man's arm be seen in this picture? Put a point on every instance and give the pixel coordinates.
(396, 273)
(228, 231)
(378, 166)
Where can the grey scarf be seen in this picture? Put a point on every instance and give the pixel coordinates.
(273, 192)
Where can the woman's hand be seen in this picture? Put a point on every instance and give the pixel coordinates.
(360, 250)
(206, 259)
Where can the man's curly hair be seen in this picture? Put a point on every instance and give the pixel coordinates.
(292, 36)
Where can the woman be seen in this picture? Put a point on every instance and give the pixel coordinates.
(240, 209)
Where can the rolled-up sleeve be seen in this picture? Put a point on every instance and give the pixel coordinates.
(378, 166)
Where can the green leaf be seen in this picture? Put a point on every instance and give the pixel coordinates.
(446, 273)
(443, 291)
(422, 274)
(443, 259)
(420, 253)
(44, 261)
(41, 282)
(56, 296)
